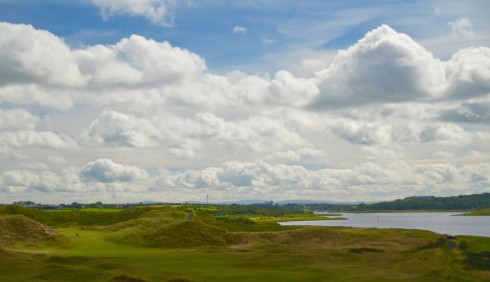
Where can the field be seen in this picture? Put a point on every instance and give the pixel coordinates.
(183, 244)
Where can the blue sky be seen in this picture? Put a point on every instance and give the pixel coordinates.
(205, 27)
(130, 100)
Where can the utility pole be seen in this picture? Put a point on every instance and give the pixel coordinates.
(207, 200)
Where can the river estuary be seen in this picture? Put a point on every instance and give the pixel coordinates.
(444, 223)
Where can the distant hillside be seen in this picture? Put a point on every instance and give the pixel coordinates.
(283, 202)
(463, 202)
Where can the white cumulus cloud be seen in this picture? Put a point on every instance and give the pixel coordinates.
(159, 12)
(239, 29)
(462, 27)
(105, 170)
(384, 66)
(31, 55)
(389, 67)
(17, 119)
(304, 134)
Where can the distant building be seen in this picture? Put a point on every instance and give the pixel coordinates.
(32, 205)
(27, 204)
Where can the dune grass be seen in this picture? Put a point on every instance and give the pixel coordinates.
(204, 248)
(19, 229)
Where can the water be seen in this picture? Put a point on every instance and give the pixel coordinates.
(443, 223)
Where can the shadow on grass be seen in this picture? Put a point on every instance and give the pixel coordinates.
(365, 250)
(125, 278)
(479, 261)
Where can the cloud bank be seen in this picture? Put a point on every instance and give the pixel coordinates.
(142, 118)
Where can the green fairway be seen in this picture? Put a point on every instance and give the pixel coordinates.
(274, 254)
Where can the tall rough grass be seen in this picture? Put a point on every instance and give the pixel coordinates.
(15, 229)
(171, 228)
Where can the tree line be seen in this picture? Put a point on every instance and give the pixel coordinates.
(462, 202)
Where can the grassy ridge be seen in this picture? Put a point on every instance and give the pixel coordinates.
(171, 228)
(90, 217)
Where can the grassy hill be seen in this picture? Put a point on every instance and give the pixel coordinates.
(171, 228)
(19, 229)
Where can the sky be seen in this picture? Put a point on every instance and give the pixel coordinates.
(175, 100)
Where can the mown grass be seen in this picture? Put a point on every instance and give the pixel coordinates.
(126, 251)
